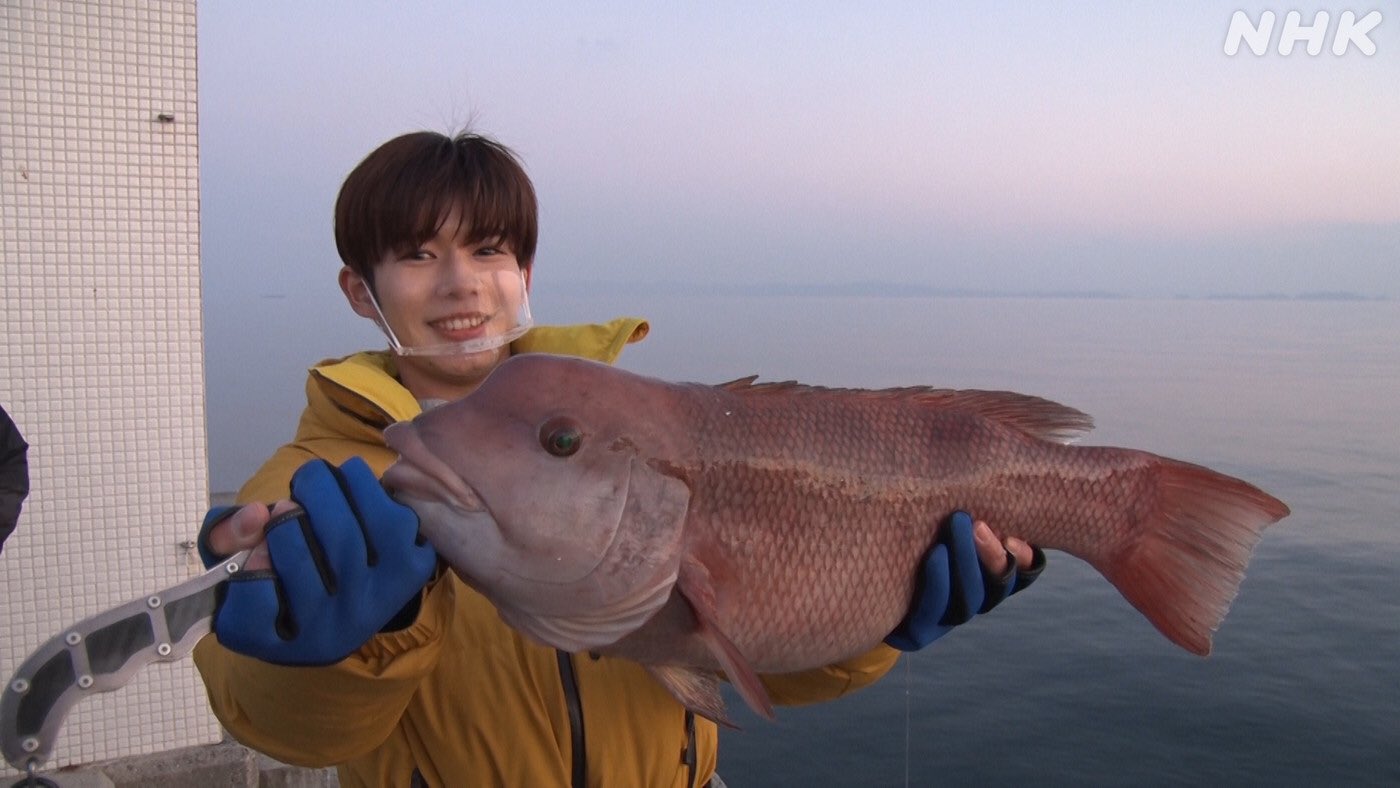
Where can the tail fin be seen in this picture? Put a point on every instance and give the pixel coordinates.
(1185, 567)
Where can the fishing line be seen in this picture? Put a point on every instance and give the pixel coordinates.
(908, 700)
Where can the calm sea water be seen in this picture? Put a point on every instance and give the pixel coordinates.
(1066, 684)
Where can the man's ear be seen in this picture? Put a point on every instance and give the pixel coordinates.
(356, 291)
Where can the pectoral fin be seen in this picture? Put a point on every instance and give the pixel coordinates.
(694, 584)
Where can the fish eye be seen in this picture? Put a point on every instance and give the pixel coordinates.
(561, 436)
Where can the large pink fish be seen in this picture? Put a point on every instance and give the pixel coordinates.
(776, 527)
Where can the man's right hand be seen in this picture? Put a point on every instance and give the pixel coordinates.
(323, 580)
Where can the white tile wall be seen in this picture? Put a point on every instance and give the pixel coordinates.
(101, 360)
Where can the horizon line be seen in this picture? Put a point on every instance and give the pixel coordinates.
(883, 289)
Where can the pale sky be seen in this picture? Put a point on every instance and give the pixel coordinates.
(1099, 146)
(1008, 147)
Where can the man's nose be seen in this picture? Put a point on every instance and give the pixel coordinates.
(459, 273)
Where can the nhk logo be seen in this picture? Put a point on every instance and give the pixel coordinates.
(1350, 30)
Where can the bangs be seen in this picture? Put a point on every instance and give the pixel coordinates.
(404, 193)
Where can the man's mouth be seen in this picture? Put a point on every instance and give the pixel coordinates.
(460, 326)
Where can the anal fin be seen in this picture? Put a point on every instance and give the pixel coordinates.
(696, 689)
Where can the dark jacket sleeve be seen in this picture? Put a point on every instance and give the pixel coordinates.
(14, 474)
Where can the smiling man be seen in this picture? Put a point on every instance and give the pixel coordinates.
(342, 642)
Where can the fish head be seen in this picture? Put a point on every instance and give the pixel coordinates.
(546, 490)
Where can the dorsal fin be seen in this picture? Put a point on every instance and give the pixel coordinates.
(739, 383)
(1034, 416)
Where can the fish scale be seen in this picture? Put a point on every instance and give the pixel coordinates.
(850, 488)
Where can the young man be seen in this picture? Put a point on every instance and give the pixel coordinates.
(342, 642)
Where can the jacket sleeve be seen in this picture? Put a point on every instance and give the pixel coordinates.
(832, 681)
(273, 481)
(319, 716)
(326, 715)
(14, 474)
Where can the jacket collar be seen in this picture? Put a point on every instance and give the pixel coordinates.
(365, 386)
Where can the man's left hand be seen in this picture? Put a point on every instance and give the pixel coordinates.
(967, 572)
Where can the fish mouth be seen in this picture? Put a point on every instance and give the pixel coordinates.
(421, 474)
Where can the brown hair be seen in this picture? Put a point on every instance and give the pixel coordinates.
(401, 194)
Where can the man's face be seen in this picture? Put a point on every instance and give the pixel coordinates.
(445, 291)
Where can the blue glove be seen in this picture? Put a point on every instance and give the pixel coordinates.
(342, 568)
(951, 588)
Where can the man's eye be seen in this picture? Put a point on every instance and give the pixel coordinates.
(492, 249)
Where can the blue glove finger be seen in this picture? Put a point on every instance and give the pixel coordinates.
(247, 617)
(261, 612)
(387, 522)
(391, 532)
(332, 534)
(307, 582)
(1024, 577)
(932, 589)
(1014, 580)
(212, 518)
(999, 587)
(968, 587)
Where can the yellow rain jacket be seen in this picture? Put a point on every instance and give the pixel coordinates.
(458, 698)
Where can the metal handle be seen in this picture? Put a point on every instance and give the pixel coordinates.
(100, 654)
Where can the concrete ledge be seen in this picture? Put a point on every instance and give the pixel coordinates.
(224, 765)
(275, 774)
(219, 766)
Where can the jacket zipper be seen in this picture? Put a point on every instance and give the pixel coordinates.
(575, 705)
(691, 757)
